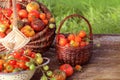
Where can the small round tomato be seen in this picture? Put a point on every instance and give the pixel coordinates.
(23, 13)
(83, 44)
(33, 15)
(22, 65)
(78, 39)
(7, 12)
(24, 58)
(1, 67)
(3, 27)
(18, 6)
(33, 55)
(45, 21)
(32, 6)
(2, 35)
(42, 16)
(16, 55)
(9, 68)
(12, 62)
(71, 37)
(82, 34)
(67, 68)
(63, 41)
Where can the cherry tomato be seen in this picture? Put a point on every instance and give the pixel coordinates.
(45, 21)
(67, 68)
(33, 55)
(63, 41)
(23, 13)
(2, 35)
(1, 67)
(71, 37)
(42, 16)
(24, 58)
(17, 55)
(33, 15)
(22, 65)
(82, 34)
(12, 62)
(18, 6)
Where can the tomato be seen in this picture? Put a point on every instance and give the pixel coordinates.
(52, 20)
(23, 13)
(12, 62)
(74, 43)
(32, 67)
(24, 58)
(28, 31)
(33, 15)
(59, 75)
(71, 37)
(32, 6)
(1, 62)
(45, 21)
(67, 68)
(60, 36)
(9, 68)
(42, 16)
(2, 35)
(1, 67)
(33, 55)
(37, 25)
(18, 6)
(22, 65)
(7, 12)
(3, 27)
(16, 55)
(78, 39)
(83, 44)
(63, 41)
(82, 34)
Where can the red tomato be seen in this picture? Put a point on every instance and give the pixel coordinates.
(24, 58)
(23, 13)
(67, 68)
(83, 44)
(7, 12)
(33, 55)
(18, 6)
(60, 36)
(63, 41)
(2, 35)
(82, 34)
(45, 21)
(22, 65)
(1, 67)
(16, 55)
(42, 16)
(12, 62)
(33, 15)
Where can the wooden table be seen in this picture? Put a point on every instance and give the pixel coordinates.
(104, 63)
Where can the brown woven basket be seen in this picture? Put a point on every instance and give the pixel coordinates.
(74, 55)
(43, 39)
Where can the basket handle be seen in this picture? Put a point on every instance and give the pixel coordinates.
(79, 16)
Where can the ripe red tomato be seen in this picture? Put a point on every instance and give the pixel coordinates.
(45, 21)
(22, 65)
(33, 15)
(18, 6)
(7, 12)
(2, 35)
(63, 41)
(82, 34)
(67, 68)
(24, 58)
(33, 55)
(23, 13)
(1, 67)
(16, 55)
(12, 62)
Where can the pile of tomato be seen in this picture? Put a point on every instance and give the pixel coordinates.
(31, 19)
(19, 60)
(74, 40)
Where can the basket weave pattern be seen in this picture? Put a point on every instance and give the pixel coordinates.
(74, 55)
(43, 39)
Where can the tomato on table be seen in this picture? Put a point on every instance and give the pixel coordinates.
(23, 13)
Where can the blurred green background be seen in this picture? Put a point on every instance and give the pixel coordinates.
(104, 15)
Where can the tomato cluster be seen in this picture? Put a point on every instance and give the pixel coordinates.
(75, 40)
(19, 60)
(31, 19)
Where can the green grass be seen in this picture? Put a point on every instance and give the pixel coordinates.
(104, 15)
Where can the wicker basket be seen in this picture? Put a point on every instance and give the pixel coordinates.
(74, 55)
(43, 39)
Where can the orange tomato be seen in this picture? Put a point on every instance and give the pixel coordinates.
(62, 41)
(42, 16)
(71, 37)
(77, 39)
(82, 34)
(45, 21)
(28, 31)
(32, 6)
